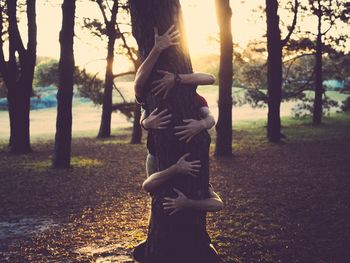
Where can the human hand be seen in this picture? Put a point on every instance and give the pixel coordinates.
(165, 84)
(175, 204)
(188, 131)
(157, 120)
(169, 38)
(184, 167)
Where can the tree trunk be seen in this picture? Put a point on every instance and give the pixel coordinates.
(136, 129)
(224, 125)
(274, 71)
(19, 82)
(318, 112)
(62, 154)
(105, 127)
(183, 236)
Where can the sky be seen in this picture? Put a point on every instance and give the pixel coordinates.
(200, 23)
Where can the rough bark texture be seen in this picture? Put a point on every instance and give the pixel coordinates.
(274, 71)
(19, 79)
(62, 154)
(224, 125)
(181, 237)
(317, 113)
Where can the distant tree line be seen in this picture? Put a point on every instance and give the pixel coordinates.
(284, 67)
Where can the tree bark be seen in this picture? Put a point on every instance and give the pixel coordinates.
(19, 80)
(318, 112)
(63, 138)
(136, 128)
(274, 71)
(183, 236)
(105, 127)
(224, 125)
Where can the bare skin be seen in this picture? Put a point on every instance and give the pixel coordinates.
(182, 167)
(174, 205)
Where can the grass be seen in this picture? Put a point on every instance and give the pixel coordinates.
(283, 203)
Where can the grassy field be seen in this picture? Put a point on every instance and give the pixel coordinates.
(283, 203)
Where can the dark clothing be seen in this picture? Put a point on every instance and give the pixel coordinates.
(200, 101)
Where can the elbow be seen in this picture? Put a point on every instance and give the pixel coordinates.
(211, 79)
(219, 205)
(146, 187)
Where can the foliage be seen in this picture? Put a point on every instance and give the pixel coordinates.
(306, 106)
(89, 86)
(346, 105)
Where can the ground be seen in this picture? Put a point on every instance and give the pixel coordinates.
(283, 203)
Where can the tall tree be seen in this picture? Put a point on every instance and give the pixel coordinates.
(98, 29)
(63, 138)
(274, 66)
(223, 145)
(111, 32)
(329, 14)
(18, 73)
(181, 237)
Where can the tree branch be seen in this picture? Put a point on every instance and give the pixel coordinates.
(99, 2)
(286, 39)
(124, 74)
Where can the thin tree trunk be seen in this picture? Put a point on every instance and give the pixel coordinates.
(136, 129)
(181, 237)
(274, 71)
(224, 125)
(318, 112)
(62, 154)
(105, 127)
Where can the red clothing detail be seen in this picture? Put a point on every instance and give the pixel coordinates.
(201, 101)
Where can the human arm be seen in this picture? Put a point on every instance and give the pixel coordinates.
(167, 82)
(193, 126)
(156, 120)
(174, 205)
(169, 38)
(181, 167)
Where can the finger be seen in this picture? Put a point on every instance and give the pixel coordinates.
(181, 133)
(156, 82)
(193, 175)
(178, 191)
(168, 208)
(154, 111)
(169, 199)
(183, 138)
(162, 114)
(166, 117)
(196, 166)
(189, 139)
(183, 157)
(164, 123)
(173, 212)
(155, 31)
(162, 71)
(174, 38)
(174, 33)
(192, 170)
(195, 162)
(166, 94)
(180, 127)
(175, 43)
(170, 29)
(188, 120)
